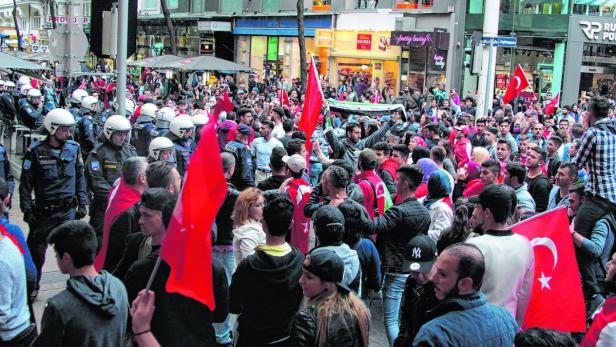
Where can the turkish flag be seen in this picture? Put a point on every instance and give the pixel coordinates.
(518, 83)
(549, 108)
(312, 105)
(121, 198)
(284, 99)
(556, 301)
(187, 248)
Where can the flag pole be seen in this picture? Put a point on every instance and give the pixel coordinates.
(153, 274)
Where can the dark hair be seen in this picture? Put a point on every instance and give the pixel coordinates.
(517, 170)
(338, 176)
(403, 149)
(577, 189)
(132, 168)
(168, 210)
(382, 146)
(432, 127)
(300, 135)
(493, 166)
(556, 139)
(268, 123)
(287, 124)
(279, 111)
(420, 152)
(4, 189)
(541, 337)
(278, 216)
(158, 174)
(573, 170)
(350, 126)
(155, 198)
(577, 130)
(242, 111)
(276, 158)
(294, 146)
(78, 239)
(438, 154)
(356, 221)
(540, 151)
(505, 142)
(482, 120)
(470, 262)
(346, 166)
(412, 174)
(599, 107)
(458, 231)
(504, 120)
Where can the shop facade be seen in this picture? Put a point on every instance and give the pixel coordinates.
(269, 45)
(590, 58)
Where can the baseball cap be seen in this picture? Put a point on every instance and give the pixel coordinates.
(295, 162)
(244, 129)
(495, 197)
(420, 254)
(327, 265)
(328, 224)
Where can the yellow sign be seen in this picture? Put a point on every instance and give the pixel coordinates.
(324, 38)
(350, 43)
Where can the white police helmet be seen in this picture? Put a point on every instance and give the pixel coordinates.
(115, 123)
(164, 117)
(23, 90)
(148, 112)
(180, 125)
(79, 94)
(58, 117)
(33, 93)
(9, 84)
(159, 144)
(90, 103)
(200, 119)
(24, 81)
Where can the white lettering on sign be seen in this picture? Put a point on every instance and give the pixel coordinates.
(595, 31)
(62, 19)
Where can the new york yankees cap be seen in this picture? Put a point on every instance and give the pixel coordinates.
(420, 254)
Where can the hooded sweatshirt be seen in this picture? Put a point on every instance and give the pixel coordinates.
(351, 263)
(266, 294)
(91, 312)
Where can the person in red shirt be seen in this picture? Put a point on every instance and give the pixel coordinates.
(387, 166)
(602, 332)
(371, 184)
(299, 191)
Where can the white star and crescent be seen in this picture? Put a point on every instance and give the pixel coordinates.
(549, 244)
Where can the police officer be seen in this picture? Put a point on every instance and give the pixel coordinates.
(7, 106)
(53, 169)
(103, 166)
(163, 121)
(180, 133)
(75, 103)
(199, 120)
(87, 128)
(243, 176)
(143, 129)
(31, 111)
(161, 149)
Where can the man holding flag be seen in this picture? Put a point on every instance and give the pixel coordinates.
(518, 83)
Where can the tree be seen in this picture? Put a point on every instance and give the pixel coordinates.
(302, 43)
(174, 44)
(16, 25)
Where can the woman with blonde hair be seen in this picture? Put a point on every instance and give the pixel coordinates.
(333, 315)
(480, 154)
(247, 215)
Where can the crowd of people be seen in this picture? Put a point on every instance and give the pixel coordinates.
(413, 208)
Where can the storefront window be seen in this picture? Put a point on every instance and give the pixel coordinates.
(231, 6)
(595, 9)
(197, 6)
(366, 3)
(270, 6)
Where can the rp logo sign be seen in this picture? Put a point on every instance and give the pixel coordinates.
(591, 29)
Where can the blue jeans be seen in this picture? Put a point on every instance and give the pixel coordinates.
(393, 288)
(223, 330)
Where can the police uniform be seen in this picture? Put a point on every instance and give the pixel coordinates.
(102, 170)
(141, 136)
(85, 133)
(56, 176)
(243, 176)
(7, 108)
(30, 115)
(183, 150)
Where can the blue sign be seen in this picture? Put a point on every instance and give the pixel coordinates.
(500, 41)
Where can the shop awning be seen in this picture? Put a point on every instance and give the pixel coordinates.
(40, 56)
(8, 61)
(208, 63)
(364, 108)
(159, 62)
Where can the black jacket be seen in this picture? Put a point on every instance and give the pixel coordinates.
(317, 199)
(350, 152)
(179, 320)
(395, 228)
(266, 294)
(417, 300)
(339, 333)
(126, 224)
(130, 254)
(224, 224)
(539, 188)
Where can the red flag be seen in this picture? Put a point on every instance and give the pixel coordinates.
(121, 198)
(285, 98)
(557, 301)
(518, 83)
(187, 248)
(312, 105)
(549, 108)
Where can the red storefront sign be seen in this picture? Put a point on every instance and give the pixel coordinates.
(364, 42)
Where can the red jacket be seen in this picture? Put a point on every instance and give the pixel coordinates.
(474, 187)
(374, 192)
(390, 166)
(299, 193)
(603, 328)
